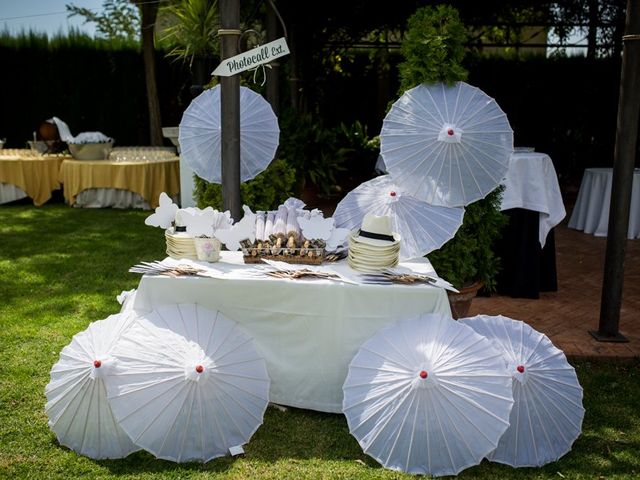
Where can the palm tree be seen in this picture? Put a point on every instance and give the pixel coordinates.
(192, 36)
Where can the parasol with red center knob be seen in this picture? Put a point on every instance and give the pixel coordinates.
(446, 144)
(200, 134)
(547, 414)
(427, 395)
(77, 406)
(422, 227)
(190, 384)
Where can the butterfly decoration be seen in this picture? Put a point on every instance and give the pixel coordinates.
(316, 227)
(244, 229)
(337, 239)
(198, 222)
(164, 214)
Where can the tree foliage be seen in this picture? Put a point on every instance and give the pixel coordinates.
(119, 19)
(192, 29)
(601, 22)
(265, 192)
(433, 48)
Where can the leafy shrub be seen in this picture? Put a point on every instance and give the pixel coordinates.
(265, 192)
(469, 255)
(325, 156)
(433, 48)
(312, 149)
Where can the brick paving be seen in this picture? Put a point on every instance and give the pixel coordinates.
(567, 316)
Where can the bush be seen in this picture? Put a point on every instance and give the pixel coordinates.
(312, 149)
(265, 192)
(433, 48)
(469, 255)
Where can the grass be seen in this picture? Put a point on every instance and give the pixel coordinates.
(61, 268)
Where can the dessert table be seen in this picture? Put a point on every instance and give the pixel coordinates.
(24, 173)
(591, 211)
(307, 330)
(120, 184)
(533, 201)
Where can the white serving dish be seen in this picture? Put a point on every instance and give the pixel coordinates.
(90, 151)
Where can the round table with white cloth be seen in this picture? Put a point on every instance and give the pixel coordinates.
(591, 211)
(533, 202)
(531, 183)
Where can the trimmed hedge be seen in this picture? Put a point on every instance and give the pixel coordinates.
(565, 107)
(87, 83)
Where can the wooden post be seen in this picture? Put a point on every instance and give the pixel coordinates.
(230, 110)
(273, 73)
(622, 182)
(149, 13)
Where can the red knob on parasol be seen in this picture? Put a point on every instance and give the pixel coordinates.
(520, 368)
(97, 363)
(423, 374)
(450, 132)
(199, 368)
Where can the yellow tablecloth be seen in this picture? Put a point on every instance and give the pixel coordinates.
(147, 179)
(36, 175)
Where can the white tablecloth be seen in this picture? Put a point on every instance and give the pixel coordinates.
(591, 211)
(10, 193)
(110, 197)
(307, 330)
(531, 183)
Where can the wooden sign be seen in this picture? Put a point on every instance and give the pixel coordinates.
(252, 58)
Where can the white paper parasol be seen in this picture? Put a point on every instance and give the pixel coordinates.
(200, 135)
(547, 415)
(446, 145)
(190, 384)
(77, 406)
(423, 227)
(428, 396)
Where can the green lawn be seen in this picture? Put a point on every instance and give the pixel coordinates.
(61, 268)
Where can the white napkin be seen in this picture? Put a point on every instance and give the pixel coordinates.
(84, 137)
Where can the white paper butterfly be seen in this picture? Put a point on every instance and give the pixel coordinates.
(244, 229)
(316, 227)
(198, 222)
(337, 239)
(165, 213)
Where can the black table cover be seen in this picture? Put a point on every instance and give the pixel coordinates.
(527, 269)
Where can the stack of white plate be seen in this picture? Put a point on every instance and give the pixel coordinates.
(180, 245)
(366, 257)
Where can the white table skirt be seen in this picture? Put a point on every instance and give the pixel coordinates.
(307, 330)
(591, 211)
(10, 193)
(110, 197)
(531, 183)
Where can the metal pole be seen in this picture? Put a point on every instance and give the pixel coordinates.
(623, 163)
(230, 110)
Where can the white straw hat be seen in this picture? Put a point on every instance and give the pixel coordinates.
(376, 231)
